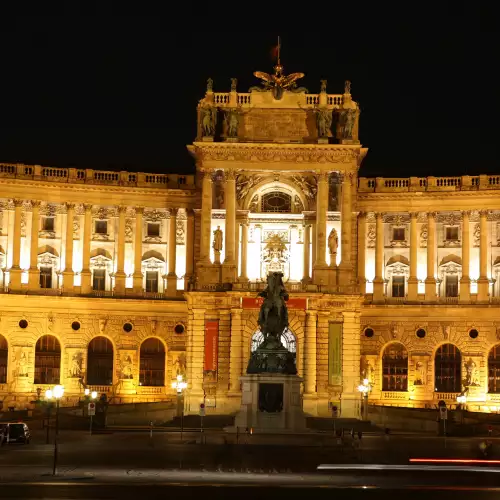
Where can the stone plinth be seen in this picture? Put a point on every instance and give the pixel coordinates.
(289, 419)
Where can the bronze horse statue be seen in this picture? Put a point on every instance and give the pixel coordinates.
(273, 316)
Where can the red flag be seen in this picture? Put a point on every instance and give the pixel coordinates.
(275, 52)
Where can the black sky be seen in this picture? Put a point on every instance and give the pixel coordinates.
(121, 93)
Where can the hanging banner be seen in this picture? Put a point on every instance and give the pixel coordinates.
(292, 303)
(211, 347)
(335, 353)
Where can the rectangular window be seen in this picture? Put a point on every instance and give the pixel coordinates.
(45, 277)
(48, 224)
(152, 281)
(398, 286)
(101, 227)
(451, 286)
(452, 233)
(153, 229)
(398, 234)
(99, 279)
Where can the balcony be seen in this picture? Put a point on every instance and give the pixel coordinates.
(89, 176)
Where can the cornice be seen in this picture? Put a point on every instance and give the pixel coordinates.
(275, 153)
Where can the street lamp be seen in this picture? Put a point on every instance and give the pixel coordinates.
(57, 393)
(180, 385)
(93, 397)
(364, 389)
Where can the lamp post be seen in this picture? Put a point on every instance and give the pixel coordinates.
(462, 400)
(180, 385)
(93, 397)
(364, 390)
(56, 393)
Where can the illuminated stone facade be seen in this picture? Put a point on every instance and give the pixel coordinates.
(119, 281)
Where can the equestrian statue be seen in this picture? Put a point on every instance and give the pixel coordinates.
(271, 356)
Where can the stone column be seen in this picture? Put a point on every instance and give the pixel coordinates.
(412, 279)
(235, 360)
(244, 251)
(321, 271)
(229, 267)
(346, 229)
(313, 243)
(172, 252)
(465, 279)
(86, 275)
(195, 358)
(138, 277)
(378, 282)
(310, 353)
(34, 272)
(362, 252)
(483, 282)
(68, 275)
(206, 217)
(430, 281)
(307, 258)
(189, 248)
(351, 353)
(120, 268)
(15, 271)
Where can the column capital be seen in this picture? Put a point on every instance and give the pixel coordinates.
(311, 313)
(35, 204)
(87, 207)
(413, 215)
(208, 174)
(189, 212)
(431, 215)
(17, 202)
(362, 215)
(322, 176)
(69, 206)
(122, 209)
(466, 213)
(379, 215)
(139, 210)
(484, 213)
(173, 211)
(230, 174)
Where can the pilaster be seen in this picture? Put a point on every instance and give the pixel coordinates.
(137, 276)
(34, 272)
(378, 281)
(86, 275)
(362, 252)
(430, 281)
(483, 282)
(412, 279)
(172, 253)
(68, 275)
(120, 268)
(351, 353)
(465, 279)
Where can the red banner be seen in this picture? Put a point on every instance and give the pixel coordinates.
(211, 345)
(255, 303)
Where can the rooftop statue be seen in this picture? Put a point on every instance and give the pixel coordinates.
(279, 82)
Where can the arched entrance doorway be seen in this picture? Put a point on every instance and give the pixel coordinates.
(100, 362)
(448, 369)
(287, 339)
(47, 360)
(152, 364)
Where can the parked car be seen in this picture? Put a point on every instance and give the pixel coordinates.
(15, 432)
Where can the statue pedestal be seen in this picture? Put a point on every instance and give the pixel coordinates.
(323, 140)
(270, 403)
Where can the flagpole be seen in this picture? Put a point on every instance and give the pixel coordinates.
(279, 49)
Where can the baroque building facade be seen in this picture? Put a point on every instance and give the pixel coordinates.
(120, 281)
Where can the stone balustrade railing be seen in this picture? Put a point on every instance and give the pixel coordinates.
(226, 99)
(404, 184)
(90, 176)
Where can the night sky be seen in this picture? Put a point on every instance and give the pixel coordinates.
(121, 93)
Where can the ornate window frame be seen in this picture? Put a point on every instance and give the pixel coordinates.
(396, 268)
(101, 236)
(449, 268)
(154, 264)
(398, 243)
(47, 259)
(100, 261)
(455, 243)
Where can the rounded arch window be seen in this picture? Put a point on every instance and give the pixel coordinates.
(152, 364)
(287, 339)
(47, 360)
(4, 355)
(473, 333)
(100, 361)
(369, 333)
(494, 370)
(276, 202)
(448, 369)
(395, 368)
(420, 333)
